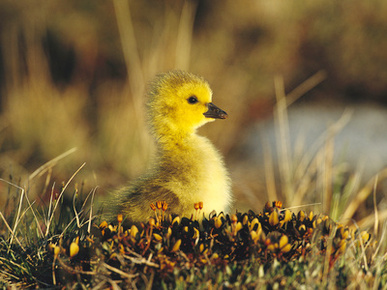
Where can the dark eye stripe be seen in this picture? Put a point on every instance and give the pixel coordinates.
(192, 100)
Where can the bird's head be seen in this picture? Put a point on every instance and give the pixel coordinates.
(179, 103)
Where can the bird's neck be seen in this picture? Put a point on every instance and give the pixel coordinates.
(178, 142)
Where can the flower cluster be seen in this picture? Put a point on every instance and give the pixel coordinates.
(168, 241)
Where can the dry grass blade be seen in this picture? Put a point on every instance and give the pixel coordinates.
(118, 271)
(303, 205)
(51, 201)
(184, 36)
(282, 135)
(18, 211)
(11, 231)
(327, 170)
(269, 170)
(75, 211)
(330, 132)
(130, 51)
(135, 86)
(306, 86)
(376, 224)
(42, 169)
(363, 249)
(91, 209)
(141, 260)
(362, 196)
(68, 225)
(369, 220)
(60, 196)
(310, 163)
(74, 271)
(381, 242)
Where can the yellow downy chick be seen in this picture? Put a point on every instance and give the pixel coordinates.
(187, 168)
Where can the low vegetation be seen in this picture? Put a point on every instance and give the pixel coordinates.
(65, 245)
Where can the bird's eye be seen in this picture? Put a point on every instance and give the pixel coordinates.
(192, 100)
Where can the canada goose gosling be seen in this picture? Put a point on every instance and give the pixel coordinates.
(187, 168)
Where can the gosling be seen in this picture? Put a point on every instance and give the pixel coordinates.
(187, 168)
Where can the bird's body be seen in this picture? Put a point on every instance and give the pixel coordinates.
(187, 168)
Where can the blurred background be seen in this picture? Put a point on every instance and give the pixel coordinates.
(304, 84)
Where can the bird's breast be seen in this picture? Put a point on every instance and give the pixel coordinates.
(196, 172)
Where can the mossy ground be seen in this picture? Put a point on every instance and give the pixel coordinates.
(273, 248)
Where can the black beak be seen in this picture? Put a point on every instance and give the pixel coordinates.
(215, 112)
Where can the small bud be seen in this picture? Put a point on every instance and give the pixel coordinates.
(342, 247)
(287, 216)
(103, 225)
(176, 246)
(169, 233)
(365, 236)
(176, 220)
(301, 215)
(157, 237)
(218, 222)
(245, 220)
(51, 247)
(74, 249)
(286, 248)
(234, 218)
(254, 236)
(121, 248)
(56, 251)
(253, 223)
(273, 218)
(283, 241)
(133, 231)
(271, 247)
(277, 204)
(238, 227)
(196, 234)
